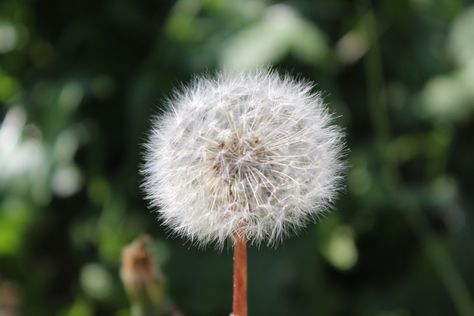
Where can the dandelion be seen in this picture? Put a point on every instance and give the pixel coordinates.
(247, 157)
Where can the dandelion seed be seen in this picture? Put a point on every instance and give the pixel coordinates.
(254, 154)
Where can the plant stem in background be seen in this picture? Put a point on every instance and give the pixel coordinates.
(431, 244)
(240, 278)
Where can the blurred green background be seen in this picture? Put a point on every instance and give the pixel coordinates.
(80, 80)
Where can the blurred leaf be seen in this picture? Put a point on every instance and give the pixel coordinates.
(448, 98)
(280, 31)
(461, 38)
(15, 217)
(352, 46)
(80, 308)
(8, 37)
(340, 249)
(9, 88)
(96, 281)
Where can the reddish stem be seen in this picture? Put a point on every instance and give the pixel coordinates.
(240, 278)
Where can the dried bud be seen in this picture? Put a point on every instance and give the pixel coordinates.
(9, 299)
(138, 264)
(142, 279)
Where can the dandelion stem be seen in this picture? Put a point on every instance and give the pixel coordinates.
(240, 278)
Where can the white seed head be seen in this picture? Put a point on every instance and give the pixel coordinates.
(253, 154)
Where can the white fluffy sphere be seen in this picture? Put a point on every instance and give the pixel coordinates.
(254, 154)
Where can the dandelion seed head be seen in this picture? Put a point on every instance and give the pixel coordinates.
(254, 154)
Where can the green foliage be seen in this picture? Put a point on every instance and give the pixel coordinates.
(80, 80)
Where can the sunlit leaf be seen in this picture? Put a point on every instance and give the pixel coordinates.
(461, 37)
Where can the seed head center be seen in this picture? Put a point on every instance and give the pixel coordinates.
(237, 155)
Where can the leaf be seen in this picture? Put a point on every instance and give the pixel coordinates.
(280, 31)
(461, 38)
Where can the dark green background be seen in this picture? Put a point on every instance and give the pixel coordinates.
(80, 80)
